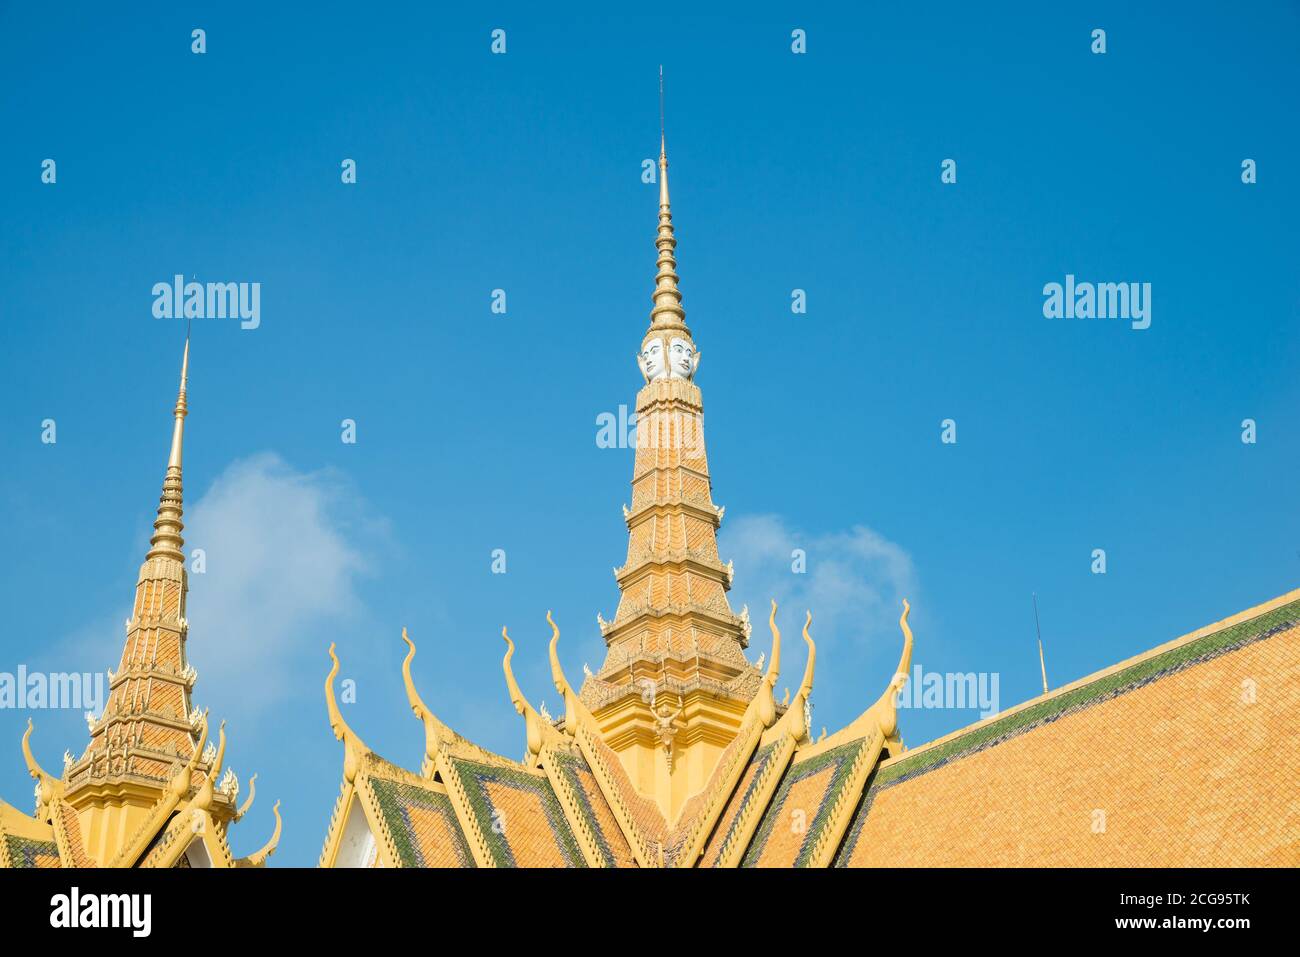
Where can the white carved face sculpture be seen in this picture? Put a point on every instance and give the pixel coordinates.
(682, 358)
(651, 359)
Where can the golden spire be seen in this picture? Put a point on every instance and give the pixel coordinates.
(674, 629)
(667, 313)
(149, 707)
(167, 541)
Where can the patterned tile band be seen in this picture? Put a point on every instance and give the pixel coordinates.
(749, 781)
(422, 825)
(24, 852)
(518, 816)
(800, 810)
(594, 809)
(1128, 679)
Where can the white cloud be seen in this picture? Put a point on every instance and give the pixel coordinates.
(284, 551)
(854, 583)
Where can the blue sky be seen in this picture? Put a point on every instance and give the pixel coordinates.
(477, 431)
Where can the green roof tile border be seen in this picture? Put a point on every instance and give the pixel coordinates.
(840, 758)
(568, 764)
(1135, 676)
(760, 759)
(23, 851)
(474, 775)
(395, 798)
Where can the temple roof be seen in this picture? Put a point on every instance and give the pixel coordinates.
(675, 754)
(25, 841)
(571, 802)
(1177, 748)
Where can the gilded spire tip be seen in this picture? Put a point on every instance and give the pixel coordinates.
(167, 541)
(667, 314)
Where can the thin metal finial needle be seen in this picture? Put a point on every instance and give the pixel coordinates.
(1042, 662)
(661, 103)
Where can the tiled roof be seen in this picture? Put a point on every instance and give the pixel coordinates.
(421, 824)
(800, 811)
(1187, 755)
(25, 852)
(741, 801)
(575, 776)
(515, 815)
(67, 828)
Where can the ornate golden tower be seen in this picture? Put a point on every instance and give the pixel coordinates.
(147, 729)
(146, 791)
(675, 681)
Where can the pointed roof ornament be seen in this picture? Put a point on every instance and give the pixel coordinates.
(797, 718)
(258, 857)
(763, 704)
(353, 749)
(167, 541)
(533, 725)
(435, 732)
(248, 802)
(48, 787)
(575, 711)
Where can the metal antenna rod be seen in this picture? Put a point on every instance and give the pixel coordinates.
(1042, 663)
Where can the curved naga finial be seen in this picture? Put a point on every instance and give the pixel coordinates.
(799, 724)
(532, 720)
(435, 732)
(352, 744)
(252, 793)
(886, 708)
(207, 793)
(49, 787)
(179, 785)
(575, 711)
(763, 704)
(258, 858)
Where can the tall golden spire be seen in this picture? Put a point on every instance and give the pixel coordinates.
(667, 313)
(167, 541)
(675, 683)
